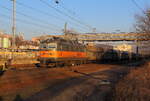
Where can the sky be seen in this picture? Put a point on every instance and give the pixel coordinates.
(35, 18)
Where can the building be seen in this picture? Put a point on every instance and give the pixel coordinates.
(26, 44)
(5, 40)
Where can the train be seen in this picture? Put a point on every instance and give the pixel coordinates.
(59, 52)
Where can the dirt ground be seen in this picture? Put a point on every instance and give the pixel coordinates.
(89, 82)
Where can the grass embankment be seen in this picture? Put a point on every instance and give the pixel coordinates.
(135, 86)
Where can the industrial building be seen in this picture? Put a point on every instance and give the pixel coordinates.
(21, 43)
(5, 40)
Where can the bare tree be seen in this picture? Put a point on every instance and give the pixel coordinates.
(142, 27)
(19, 40)
(143, 22)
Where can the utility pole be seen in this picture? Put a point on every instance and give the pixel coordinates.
(13, 27)
(94, 30)
(65, 28)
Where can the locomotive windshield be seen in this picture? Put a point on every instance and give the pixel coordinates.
(52, 46)
(49, 46)
(43, 46)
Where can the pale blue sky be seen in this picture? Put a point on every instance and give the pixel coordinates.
(104, 15)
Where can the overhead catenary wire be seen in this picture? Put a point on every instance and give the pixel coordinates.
(30, 17)
(79, 28)
(29, 23)
(33, 30)
(40, 11)
(65, 8)
(72, 18)
(48, 14)
(71, 12)
(136, 4)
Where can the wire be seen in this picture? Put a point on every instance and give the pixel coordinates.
(39, 11)
(136, 4)
(72, 13)
(59, 11)
(68, 10)
(30, 23)
(27, 16)
(33, 30)
(45, 13)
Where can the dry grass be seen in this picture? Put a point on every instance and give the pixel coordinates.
(136, 86)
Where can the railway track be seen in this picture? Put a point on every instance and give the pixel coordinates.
(28, 82)
(37, 65)
(53, 65)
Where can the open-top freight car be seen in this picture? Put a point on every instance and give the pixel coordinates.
(94, 53)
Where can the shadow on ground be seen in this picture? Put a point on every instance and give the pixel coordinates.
(18, 98)
(100, 90)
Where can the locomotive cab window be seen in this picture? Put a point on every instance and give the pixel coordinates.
(52, 46)
(43, 46)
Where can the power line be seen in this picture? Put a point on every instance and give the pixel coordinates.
(40, 11)
(27, 16)
(136, 4)
(28, 22)
(68, 10)
(59, 11)
(33, 30)
(43, 12)
(72, 13)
